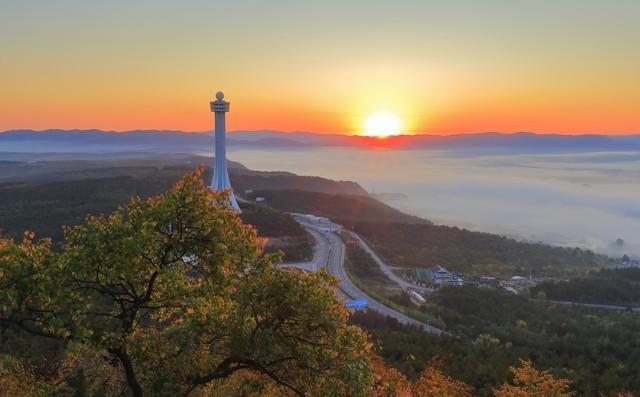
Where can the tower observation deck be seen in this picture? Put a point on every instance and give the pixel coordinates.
(220, 180)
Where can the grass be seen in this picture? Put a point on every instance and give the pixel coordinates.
(366, 275)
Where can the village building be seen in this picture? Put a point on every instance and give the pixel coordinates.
(438, 276)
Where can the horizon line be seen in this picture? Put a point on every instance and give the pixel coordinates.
(259, 131)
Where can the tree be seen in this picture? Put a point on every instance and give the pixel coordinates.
(433, 383)
(530, 382)
(388, 381)
(178, 295)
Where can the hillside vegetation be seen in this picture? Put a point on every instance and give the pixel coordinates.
(409, 242)
(345, 209)
(283, 232)
(606, 286)
(424, 245)
(56, 193)
(44, 207)
(491, 330)
(242, 179)
(597, 349)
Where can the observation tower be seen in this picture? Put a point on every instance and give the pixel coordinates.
(220, 180)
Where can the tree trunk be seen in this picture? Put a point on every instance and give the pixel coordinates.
(132, 380)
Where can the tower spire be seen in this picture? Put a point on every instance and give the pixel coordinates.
(220, 180)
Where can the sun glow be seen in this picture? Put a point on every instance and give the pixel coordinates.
(382, 125)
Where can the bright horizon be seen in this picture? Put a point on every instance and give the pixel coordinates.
(363, 134)
(548, 67)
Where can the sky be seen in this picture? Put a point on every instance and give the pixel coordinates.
(562, 66)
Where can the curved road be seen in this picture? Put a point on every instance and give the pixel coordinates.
(333, 261)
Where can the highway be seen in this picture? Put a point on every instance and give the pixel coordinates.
(330, 253)
(320, 254)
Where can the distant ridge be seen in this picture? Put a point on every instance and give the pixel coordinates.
(169, 141)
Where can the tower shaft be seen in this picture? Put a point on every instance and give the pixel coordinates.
(220, 180)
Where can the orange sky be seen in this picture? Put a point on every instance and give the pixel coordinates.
(562, 67)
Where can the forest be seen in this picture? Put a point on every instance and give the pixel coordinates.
(492, 330)
(605, 286)
(473, 253)
(45, 206)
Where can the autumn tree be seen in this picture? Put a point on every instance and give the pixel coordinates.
(388, 381)
(530, 382)
(433, 383)
(177, 295)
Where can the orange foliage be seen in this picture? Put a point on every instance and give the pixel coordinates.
(530, 382)
(388, 381)
(433, 383)
(16, 381)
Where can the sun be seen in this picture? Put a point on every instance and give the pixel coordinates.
(382, 124)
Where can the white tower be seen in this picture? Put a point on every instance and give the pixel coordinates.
(220, 179)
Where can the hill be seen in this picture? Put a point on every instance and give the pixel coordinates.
(260, 181)
(44, 195)
(342, 208)
(68, 167)
(407, 241)
(606, 286)
(424, 245)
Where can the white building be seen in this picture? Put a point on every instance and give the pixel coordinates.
(438, 275)
(443, 276)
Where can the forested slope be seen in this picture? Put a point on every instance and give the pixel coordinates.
(426, 245)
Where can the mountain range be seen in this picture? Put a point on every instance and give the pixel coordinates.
(162, 141)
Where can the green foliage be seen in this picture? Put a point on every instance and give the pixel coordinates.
(463, 251)
(573, 343)
(606, 286)
(595, 349)
(177, 294)
(283, 232)
(44, 207)
(363, 267)
(407, 348)
(270, 222)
